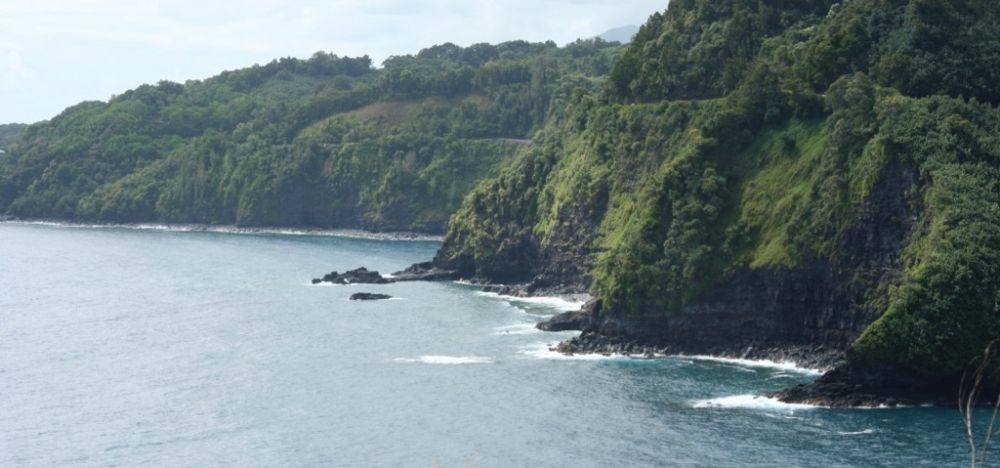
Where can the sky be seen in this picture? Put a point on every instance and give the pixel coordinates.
(56, 53)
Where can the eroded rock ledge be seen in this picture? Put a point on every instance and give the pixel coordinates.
(417, 272)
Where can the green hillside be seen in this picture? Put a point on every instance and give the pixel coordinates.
(9, 133)
(324, 142)
(827, 163)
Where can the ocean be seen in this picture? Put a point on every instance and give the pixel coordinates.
(181, 348)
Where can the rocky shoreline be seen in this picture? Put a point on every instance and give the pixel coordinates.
(809, 357)
(592, 341)
(842, 385)
(838, 387)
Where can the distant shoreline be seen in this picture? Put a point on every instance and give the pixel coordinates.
(231, 229)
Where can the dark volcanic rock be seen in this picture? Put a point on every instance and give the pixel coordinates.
(417, 272)
(362, 296)
(425, 271)
(852, 384)
(809, 356)
(359, 276)
(513, 290)
(572, 320)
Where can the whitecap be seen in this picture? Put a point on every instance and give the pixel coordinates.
(788, 366)
(558, 303)
(448, 360)
(862, 432)
(750, 402)
(325, 284)
(542, 351)
(518, 329)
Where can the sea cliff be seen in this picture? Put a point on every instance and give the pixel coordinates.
(808, 181)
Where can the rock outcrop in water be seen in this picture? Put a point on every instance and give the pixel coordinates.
(358, 276)
(418, 272)
(363, 296)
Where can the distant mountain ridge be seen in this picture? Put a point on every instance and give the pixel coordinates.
(623, 34)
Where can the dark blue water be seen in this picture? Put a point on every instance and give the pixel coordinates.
(166, 349)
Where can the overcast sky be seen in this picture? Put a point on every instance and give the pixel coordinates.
(55, 53)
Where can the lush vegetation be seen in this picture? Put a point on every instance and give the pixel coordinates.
(9, 133)
(325, 142)
(741, 135)
(730, 136)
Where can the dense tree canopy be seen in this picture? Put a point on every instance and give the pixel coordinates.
(737, 135)
(9, 133)
(328, 142)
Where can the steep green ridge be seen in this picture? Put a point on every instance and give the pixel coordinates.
(324, 142)
(771, 140)
(9, 133)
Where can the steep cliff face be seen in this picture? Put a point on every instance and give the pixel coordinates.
(811, 312)
(830, 197)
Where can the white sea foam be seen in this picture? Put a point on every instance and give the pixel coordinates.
(348, 233)
(750, 402)
(542, 351)
(780, 375)
(518, 329)
(325, 284)
(787, 366)
(557, 303)
(862, 432)
(448, 360)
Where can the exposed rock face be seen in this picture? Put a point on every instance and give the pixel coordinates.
(851, 385)
(573, 320)
(566, 260)
(424, 272)
(526, 266)
(359, 276)
(363, 296)
(809, 314)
